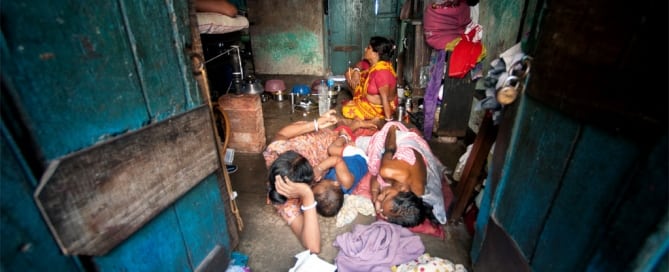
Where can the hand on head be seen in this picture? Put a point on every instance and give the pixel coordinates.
(289, 189)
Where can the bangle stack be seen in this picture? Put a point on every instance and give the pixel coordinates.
(309, 207)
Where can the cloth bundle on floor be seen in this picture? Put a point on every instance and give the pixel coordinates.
(376, 247)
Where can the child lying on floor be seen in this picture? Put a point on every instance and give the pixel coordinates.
(339, 174)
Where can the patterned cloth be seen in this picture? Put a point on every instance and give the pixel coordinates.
(313, 146)
(372, 79)
(354, 204)
(425, 263)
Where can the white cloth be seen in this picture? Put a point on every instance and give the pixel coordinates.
(216, 23)
(353, 204)
(307, 262)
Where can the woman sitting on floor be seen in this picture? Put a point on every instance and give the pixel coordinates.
(374, 89)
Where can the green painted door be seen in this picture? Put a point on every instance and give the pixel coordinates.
(351, 23)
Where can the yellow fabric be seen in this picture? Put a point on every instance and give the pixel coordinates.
(359, 107)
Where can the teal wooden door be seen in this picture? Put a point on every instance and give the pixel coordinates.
(351, 23)
(578, 180)
(75, 76)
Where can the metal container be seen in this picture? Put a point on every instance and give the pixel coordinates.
(279, 95)
(408, 104)
(401, 112)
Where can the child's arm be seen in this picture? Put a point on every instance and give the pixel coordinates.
(344, 176)
(322, 168)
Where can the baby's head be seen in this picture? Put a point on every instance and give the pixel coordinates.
(329, 196)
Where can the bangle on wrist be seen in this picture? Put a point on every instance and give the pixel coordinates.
(356, 69)
(309, 207)
(345, 137)
(316, 125)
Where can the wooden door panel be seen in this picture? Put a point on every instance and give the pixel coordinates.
(351, 23)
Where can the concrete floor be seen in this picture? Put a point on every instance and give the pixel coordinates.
(269, 242)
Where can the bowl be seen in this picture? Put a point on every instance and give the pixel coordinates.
(274, 85)
(301, 89)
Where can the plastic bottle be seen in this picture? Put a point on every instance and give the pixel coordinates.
(332, 97)
(323, 103)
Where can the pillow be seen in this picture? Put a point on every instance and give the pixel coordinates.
(216, 23)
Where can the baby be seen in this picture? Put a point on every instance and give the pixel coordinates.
(340, 173)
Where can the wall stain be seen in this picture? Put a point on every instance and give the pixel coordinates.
(291, 50)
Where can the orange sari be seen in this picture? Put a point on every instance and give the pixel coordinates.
(359, 107)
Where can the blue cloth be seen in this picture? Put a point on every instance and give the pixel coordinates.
(357, 165)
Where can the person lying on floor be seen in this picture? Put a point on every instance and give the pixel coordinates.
(289, 185)
(339, 174)
(406, 177)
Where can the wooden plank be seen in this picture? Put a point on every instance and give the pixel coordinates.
(26, 241)
(531, 175)
(158, 49)
(471, 175)
(94, 199)
(89, 89)
(589, 196)
(456, 106)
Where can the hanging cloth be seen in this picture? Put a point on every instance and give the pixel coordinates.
(431, 99)
(466, 53)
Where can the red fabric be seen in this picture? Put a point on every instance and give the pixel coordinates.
(379, 79)
(426, 227)
(464, 57)
(470, 219)
(365, 132)
(362, 65)
(429, 228)
(364, 187)
(347, 130)
(443, 24)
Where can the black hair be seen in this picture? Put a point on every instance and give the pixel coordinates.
(384, 46)
(409, 210)
(291, 165)
(330, 200)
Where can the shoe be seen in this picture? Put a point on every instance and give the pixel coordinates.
(231, 168)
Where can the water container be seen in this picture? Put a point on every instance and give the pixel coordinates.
(323, 103)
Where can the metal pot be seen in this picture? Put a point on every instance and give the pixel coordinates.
(252, 87)
(280, 95)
